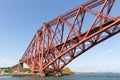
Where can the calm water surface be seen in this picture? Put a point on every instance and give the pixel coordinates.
(81, 76)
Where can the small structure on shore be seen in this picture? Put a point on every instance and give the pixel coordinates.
(2, 71)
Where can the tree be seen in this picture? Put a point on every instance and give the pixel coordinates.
(8, 70)
(67, 70)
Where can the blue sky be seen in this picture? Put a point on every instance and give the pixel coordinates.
(20, 19)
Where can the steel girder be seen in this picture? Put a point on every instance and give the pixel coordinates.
(67, 36)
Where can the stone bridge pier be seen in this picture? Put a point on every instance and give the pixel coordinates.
(17, 67)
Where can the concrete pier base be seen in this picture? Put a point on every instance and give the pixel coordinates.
(58, 73)
(20, 67)
(41, 74)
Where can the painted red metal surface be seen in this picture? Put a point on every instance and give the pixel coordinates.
(67, 36)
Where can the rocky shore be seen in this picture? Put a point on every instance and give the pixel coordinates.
(5, 74)
(30, 74)
(18, 74)
(64, 71)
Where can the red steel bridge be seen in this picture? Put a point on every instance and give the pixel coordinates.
(64, 38)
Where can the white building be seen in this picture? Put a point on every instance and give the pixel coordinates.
(2, 71)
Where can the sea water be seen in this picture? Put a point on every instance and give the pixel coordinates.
(78, 76)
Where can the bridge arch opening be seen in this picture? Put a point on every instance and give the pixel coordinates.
(101, 58)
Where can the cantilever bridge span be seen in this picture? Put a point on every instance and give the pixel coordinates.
(69, 35)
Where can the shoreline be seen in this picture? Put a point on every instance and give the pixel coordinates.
(64, 74)
(19, 74)
(30, 74)
(5, 74)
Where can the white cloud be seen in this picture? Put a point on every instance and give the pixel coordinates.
(93, 68)
(5, 62)
(109, 51)
(82, 68)
(104, 61)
